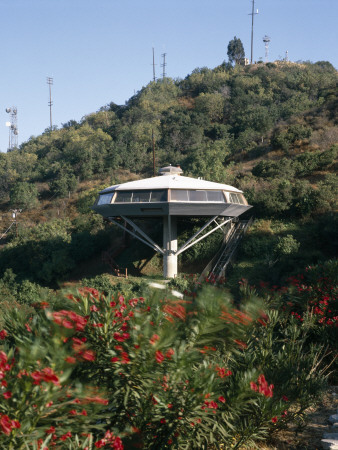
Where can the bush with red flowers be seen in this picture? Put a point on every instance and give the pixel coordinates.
(108, 371)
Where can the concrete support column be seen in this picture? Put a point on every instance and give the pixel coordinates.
(169, 246)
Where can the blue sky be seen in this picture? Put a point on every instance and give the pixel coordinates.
(99, 51)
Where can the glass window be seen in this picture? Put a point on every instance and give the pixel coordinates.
(141, 196)
(179, 195)
(123, 197)
(233, 198)
(215, 196)
(236, 198)
(105, 199)
(197, 196)
(158, 196)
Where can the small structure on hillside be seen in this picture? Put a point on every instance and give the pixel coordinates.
(168, 197)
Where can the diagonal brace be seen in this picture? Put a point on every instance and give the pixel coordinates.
(190, 242)
(147, 240)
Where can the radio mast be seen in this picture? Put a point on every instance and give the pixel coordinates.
(13, 128)
(266, 40)
(50, 103)
(164, 64)
(154, 75)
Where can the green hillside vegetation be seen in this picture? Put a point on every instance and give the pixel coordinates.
(91, 360)
(269, 129)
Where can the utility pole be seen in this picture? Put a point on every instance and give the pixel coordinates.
(252, 14)
(164, 65)
(15, 213)
(50, 103)
(154, 75)
(153, 142)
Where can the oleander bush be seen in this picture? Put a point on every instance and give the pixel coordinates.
(111, 371)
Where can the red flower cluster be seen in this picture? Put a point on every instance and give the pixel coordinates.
(206, 349)
(4, 365)
(174, 309)
(81, 353)
(91, 292)
(236, 316)
(96, 399)
(7, 425)
(124, 359)
(3, 334)
(121, 337)
(111, 440)
(69, 319)
(222, 372)
(240, 343)
(211, 405)
(318, 293)
(159, 356)
(47, 374)
(154, 338)
(263, 387)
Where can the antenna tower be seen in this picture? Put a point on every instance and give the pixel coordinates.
(252, 14)
(154, 75)
(164, 64)
(50, 103)
(266, 40)
(13, 128)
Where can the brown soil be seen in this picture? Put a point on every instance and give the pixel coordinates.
(312, 434)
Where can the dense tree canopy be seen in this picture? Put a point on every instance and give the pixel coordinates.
(269, 129)
(235, 51)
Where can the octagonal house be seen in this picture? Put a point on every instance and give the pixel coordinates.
(168, 197)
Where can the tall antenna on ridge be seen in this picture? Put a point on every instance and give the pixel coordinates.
(50, 103)
(252, 14)
(154, 75)
(266, 40)
(164, 65)
(13, 128)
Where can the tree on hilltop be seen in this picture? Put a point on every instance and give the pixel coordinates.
(235, 51)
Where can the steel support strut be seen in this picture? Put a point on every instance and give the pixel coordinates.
(169, 250)
(147, 240)
(189, 242)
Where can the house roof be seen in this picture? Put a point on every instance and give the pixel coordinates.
(170, 182)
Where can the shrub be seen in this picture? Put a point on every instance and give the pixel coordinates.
(102, 283)
(24, 195)
(158, 372)
(285, 138)
(41, 404)
(286, 245)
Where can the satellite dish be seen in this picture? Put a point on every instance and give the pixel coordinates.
(8, 124)
(8, 110)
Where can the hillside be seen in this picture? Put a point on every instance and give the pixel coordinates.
(269, 129)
